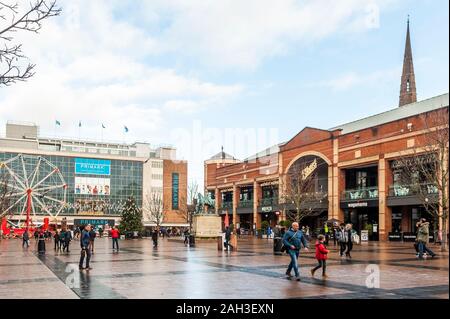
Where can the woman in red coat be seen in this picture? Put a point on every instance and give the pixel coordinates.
(321, 256)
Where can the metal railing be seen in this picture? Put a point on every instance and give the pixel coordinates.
(268, 201)
(245, 204)
(226, 205)
(413, 189)
(363, 193)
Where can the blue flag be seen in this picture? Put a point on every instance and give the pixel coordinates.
(126, 129)
(58, 122)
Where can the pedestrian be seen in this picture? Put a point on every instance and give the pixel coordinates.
(56, 238)
(293, 240)
(307, 233)
(326, 232)
(349, 237)
(36, 234)
(269, 232)
(341, 238)
(334, 236)
(100, 232)
(92, 235)
(321, 256)
(155, 238)
(26, 238)
(67, 239)
(115, 238)
(423, 238)
(228, 238)
(186, 237)
(41, 243)
(85, 251)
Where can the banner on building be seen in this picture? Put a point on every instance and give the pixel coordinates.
(92, 166)
(92, 186)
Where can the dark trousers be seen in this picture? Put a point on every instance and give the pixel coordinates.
(228, 246)
(423, 248)
(66, 246)
(116, 243)
(349, 248)
(294, 262)
(25, 242)
(57, 244)
(91, 246)
(343, 247)
(85, 252)
(322, 264)
(155, 242)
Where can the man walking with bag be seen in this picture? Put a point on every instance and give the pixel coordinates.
(293, 240)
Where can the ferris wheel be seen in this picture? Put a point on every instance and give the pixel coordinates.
(31, 185)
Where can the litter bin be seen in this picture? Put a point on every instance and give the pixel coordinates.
(277, 244)
(191, 241)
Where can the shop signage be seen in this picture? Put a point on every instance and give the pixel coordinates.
(409, 237)
(309, 169)
(92, 166)
(395, 236)
(355, 205)
(364, 235)
(94, 222)
(375, 228)
(266, 209)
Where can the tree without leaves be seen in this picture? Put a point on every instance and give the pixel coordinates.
(153, 208)
(426, 172)
(192, 192)
(298, 194)
(12, 20)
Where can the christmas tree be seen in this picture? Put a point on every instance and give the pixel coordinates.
(131, 217)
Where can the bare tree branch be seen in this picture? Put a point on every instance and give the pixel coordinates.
(425, 173)
(12, 70)
(298, 195)
(153, 208)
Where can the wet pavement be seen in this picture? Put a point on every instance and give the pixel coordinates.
(139, 271)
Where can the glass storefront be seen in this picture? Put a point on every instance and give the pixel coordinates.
(94, 187)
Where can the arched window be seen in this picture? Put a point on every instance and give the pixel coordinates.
(408, 86)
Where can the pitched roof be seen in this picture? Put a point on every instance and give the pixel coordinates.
(398, 113)
(222, 155)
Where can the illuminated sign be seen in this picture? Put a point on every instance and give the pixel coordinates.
(92, 166)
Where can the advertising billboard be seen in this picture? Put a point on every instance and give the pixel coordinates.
(92, 186)
(92, 166)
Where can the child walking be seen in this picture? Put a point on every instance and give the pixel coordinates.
(321, 256)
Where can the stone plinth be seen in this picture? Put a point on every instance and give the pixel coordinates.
(207, 226)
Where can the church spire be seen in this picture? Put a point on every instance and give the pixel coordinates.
(408, 86)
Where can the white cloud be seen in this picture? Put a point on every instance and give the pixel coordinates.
(350, 80)
(234, 33)
(91, 66)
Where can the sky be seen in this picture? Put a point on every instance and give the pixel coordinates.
(202, 74)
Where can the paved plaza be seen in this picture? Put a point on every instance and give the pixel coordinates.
(173, 271)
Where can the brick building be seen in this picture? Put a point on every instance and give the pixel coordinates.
(355, 166)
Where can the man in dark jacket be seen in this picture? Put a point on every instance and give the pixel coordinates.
(67, 238)
(155, 238)
(92, 235)
(228, 238)
(293, 240)
(85, 240)
(26, 238)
